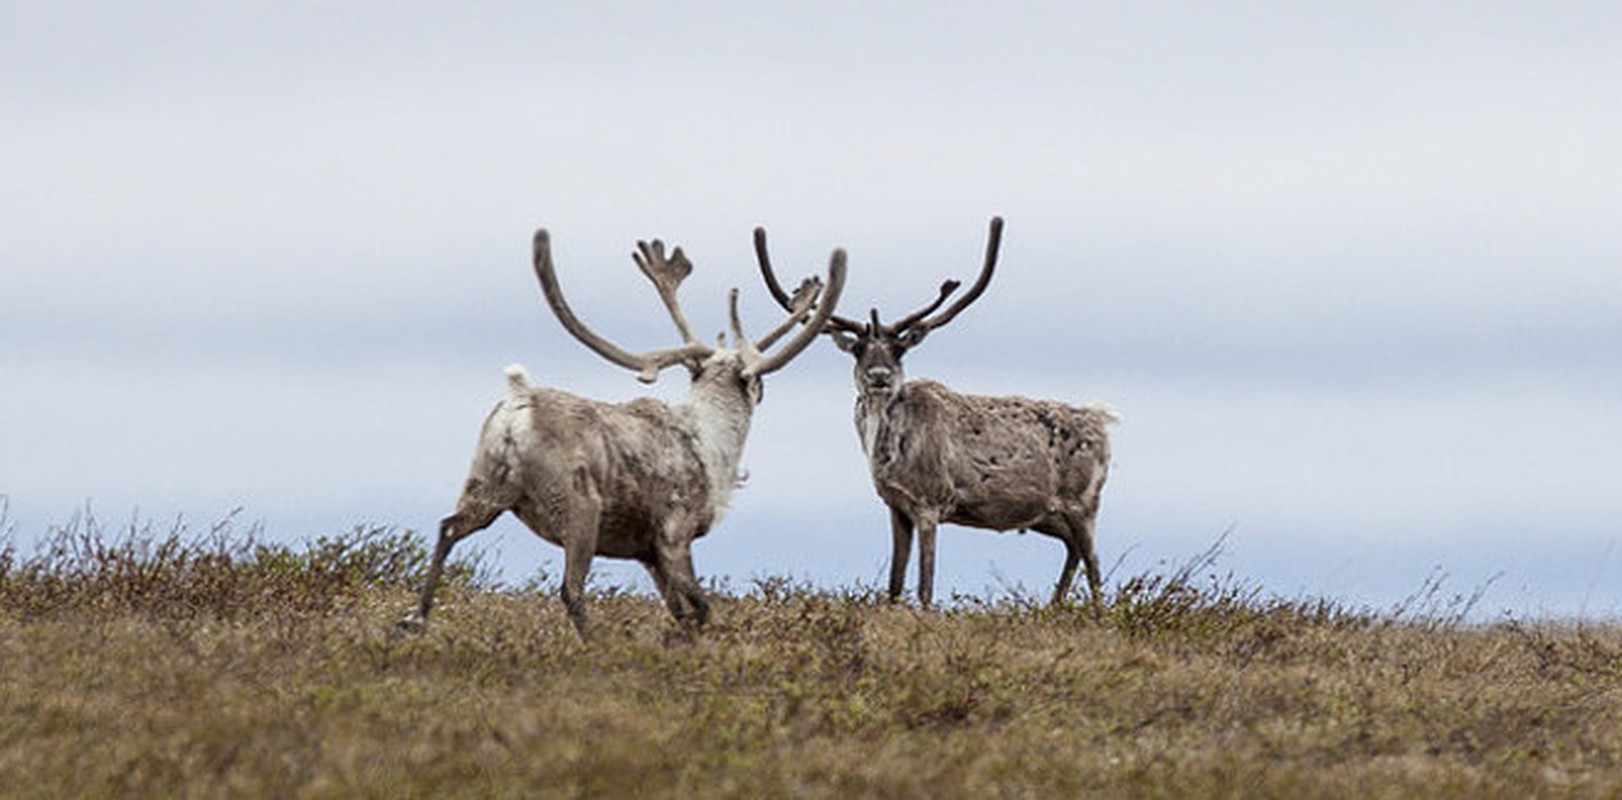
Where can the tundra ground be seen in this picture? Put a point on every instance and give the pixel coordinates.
(155, 666)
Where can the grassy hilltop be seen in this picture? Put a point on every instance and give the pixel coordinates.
(162, 666)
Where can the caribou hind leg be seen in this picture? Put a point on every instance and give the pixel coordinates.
(579, 545)
(1072, 557)
(1077, 534)
(473, 514)
(1089, 556)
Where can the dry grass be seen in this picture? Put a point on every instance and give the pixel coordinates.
(164, 667)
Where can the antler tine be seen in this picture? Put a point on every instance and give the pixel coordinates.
(738, 338)
(667, 275)
(829, 297)
(772, 286)
(947, 288)
(800, 305)
(834, 322)
(993, 244)
(646, 365)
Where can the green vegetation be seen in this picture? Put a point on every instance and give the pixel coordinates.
(164, 665)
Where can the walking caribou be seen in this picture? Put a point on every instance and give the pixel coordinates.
(638, 480)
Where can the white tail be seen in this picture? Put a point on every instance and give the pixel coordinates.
(517, 379)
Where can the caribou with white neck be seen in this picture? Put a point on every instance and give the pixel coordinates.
(638, 480)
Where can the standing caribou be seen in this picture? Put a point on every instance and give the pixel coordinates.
(638, 480)
(936, 456)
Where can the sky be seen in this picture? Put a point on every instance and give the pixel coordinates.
(1352, 275)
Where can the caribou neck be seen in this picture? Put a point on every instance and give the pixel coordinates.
(718, 413)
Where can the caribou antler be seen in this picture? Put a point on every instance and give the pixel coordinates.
(922, 326)
(799, 305)
(811, 291)
(835, 322)
(947, 288)
(665, 274)
(917, 323)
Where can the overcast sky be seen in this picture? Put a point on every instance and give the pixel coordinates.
(1352, 277)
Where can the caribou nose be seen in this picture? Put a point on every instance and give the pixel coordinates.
(879, 376)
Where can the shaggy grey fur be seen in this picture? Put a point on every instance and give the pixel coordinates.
(1001, 463)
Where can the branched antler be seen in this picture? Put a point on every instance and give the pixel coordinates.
(811, 293)
(666, 274)
(993, 244)
(916, 324)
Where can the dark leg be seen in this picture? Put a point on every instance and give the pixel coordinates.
(901, 550)
(926, 562)
(1072, 557)
(1077, 535)
(684, 596)
(1095, 584)
(470, 517)
(579, 546)
(661, 581)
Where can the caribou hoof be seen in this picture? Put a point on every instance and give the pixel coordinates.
(410, 625)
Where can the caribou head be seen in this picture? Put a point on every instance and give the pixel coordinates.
(878, 347)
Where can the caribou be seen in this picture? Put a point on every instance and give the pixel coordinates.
(638, 480)
(936, 455)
